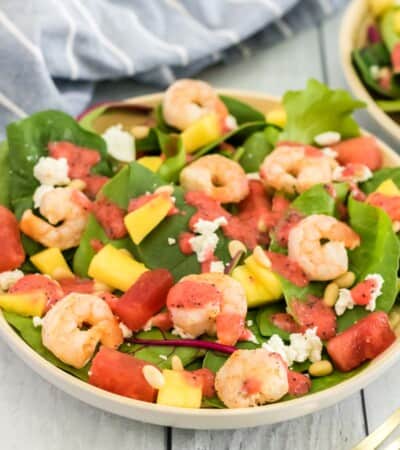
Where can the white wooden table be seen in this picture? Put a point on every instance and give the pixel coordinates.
(34, 415)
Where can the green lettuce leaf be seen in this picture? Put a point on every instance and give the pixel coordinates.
(28, 140)
(379, 253)
(318, 109)
(32, 336)
(379, 177)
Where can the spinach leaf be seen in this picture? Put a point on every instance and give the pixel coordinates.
(161, 355)
(292, 292)
(213, 402)
(28, 140)
(242, 112)
(32, 336)
(256, 148)
(379, 177)
(214, 360)
(175, 154)
(4, 174)
(379, 251)
(265, 325)
(318, 109)
(315, 200)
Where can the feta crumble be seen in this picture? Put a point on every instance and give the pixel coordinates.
(344, 301)
(376, 292)
(329, 152)
(9, 278)
(164, 357)
(206, 241)
(327, 138)
(252, 338)
(39, 193)
(302, 347)
(171, 241)
(51, 171)
(217, 267)
(126, 332)
(356, 172)
(374, 71)
(249, 323)
(231, 122)
(37, 321)
(120, 143)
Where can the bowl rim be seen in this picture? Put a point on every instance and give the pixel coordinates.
(202, 418)
(354, 14)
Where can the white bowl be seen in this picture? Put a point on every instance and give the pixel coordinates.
(205, 418)
(352, 36)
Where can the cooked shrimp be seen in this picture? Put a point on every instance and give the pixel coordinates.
(322, 261)
(220, 178)
(186, 101)
(66, 205)
(61, 332)
(296, 169)
(211, 303)
(252, 378)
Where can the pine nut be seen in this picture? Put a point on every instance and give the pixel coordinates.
(235, 246)
(140, 131)
(77, 184)
(153, 376)
(320, 368)
(176, 363)
(167, 189)
(261, 257)
(331, 294)
(346, 280)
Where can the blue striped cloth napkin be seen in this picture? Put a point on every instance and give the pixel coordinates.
(53, 52)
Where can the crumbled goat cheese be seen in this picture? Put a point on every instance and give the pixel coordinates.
(249, 323)
(231, 122)
(148, 325)
(164, 357)
(51, 171)
(39, 193)
(217, 267)
(253, 176)
(329, 152)
(37, 321)
(252, 338)
(9, 278)
(126, 332)
(344, 301)
(327, 138)
(302, 347)
(177, 331)
(171, 241)
(206, 241)
(377, 291)
(120, 143)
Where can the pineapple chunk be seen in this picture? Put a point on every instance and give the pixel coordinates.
(378, 7)
(276, 117)
(152, 163)
(389, 188)
(178, 390)
(52, 262)
(27, 304)
(202, 132)
(143, 220)
(115, 268)
(256, 293)
(266, 277)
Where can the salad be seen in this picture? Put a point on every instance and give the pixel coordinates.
(378, 60)
(211, 256)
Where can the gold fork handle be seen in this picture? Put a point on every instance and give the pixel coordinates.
(372, 441)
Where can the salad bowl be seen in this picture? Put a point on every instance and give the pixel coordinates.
(201, 418)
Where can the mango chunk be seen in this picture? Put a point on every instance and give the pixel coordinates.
(202, 132)
(52, 262)
(389, 188)
(378, 7)
(266, 277)
(276, 117)
(27, 304)
(115, 268)
(178, 390)
(143, 220)
(152, 163)
(256, 293)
